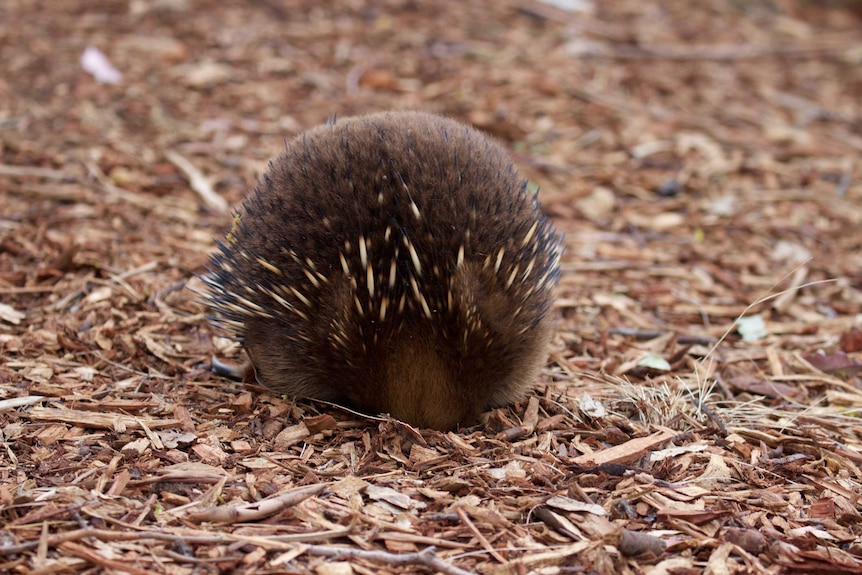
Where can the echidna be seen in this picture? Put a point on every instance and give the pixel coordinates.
(395, 263)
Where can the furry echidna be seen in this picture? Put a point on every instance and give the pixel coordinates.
(395, 263)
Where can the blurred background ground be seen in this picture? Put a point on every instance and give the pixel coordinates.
(700, 156)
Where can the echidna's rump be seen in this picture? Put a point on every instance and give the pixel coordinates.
(393, 262)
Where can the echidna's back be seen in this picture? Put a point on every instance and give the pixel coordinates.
(394, 262)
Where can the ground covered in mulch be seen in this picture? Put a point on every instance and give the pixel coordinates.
(700, 408)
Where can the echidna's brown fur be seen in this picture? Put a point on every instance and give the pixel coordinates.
(394, 262)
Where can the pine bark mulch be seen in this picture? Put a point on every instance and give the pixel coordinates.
(700, 408)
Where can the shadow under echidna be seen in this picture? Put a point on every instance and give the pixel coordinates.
(394, 263)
